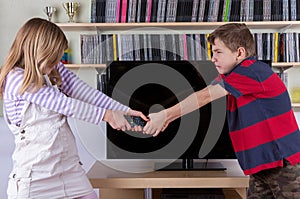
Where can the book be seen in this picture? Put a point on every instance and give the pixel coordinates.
(124, 11)
(195, 10)
(132, 8)
(161, 10)
(226, 10)
(206, 11)
(266, 10)
(154, 9)
(162, 47)
(136, 44)
(208, 48)
(171, 10)
(93, 11)
(191, 47)
(220, 13)
(148, 11)
(110, 11)
(201, 10)
(251, 10)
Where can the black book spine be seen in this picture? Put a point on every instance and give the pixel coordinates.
(206, 11)
(298, 10)
(179, 12)
(258, 10)
(143, 11)
(220, 12)
(153, 17)
(280, 11)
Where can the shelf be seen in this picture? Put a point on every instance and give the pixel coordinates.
(85, 65)
(276, 65)
(296, 105)
(282, 66)
(285, 64)
(180, 26)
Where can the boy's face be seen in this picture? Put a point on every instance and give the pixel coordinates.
(223, 58)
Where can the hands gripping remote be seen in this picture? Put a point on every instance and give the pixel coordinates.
(135, 121)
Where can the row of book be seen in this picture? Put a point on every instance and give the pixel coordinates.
(115, 11)
(278, 47)
(101, 80)
(101, 48)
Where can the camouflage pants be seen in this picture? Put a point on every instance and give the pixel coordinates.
(282, 182)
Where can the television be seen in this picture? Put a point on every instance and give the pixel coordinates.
(150, 86)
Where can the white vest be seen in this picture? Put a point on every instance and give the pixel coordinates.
(45, 160)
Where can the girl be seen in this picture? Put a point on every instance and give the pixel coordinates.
(39, 93)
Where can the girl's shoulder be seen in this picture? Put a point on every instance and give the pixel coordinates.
(15, 76)
(16, 71)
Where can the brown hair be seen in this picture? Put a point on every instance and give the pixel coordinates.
(234, 35)
(38, 46)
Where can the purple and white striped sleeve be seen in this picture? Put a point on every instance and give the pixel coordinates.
(78, 89)
(52, 99)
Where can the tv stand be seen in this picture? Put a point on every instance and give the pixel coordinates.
(116, 184)
(189, 164)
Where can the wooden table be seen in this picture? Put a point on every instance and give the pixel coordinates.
(103, 177)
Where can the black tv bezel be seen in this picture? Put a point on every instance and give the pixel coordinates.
(227, 153)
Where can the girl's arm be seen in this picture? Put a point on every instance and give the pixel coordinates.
(74, 87)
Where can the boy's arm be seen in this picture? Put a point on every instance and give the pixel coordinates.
(159, 121)
(195, 101)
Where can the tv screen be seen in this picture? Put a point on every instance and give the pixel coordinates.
(150, 86)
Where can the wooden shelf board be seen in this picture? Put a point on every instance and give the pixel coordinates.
(277, 65)
(285, 64)
(296, 105)
(85, 65)
(277, 25)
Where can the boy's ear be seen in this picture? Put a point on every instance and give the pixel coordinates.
(241, 53)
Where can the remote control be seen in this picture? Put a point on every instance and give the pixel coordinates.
(135, 121)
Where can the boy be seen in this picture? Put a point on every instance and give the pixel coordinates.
(262, 125)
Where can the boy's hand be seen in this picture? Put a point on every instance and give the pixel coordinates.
(158, 122)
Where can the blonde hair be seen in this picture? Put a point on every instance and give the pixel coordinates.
(234, 35)
(38, 46)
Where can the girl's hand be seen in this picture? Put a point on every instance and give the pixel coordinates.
(117, 120)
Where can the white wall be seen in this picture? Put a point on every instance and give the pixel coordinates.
(13, 14)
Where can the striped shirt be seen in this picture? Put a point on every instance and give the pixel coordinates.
(262, 125)
(74, 99)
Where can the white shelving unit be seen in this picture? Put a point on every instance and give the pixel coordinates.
(183, 27)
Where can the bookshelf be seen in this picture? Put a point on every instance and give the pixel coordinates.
(280, 65)
(155, 27)
(182, 27)
(179, 26)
